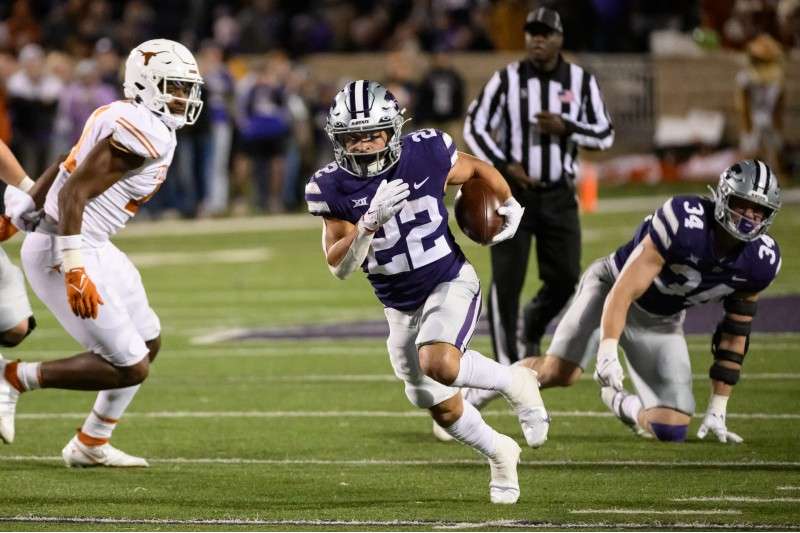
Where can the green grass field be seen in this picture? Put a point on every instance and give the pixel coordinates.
(318, 435)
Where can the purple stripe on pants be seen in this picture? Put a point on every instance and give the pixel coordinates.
(469, 322)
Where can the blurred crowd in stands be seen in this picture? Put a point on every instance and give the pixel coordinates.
(261, 131)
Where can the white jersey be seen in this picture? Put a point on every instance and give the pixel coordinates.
(136, 129)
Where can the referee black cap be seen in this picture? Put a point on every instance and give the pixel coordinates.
(544, 17)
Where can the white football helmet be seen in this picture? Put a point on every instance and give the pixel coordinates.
(363, 106)
(154, 71)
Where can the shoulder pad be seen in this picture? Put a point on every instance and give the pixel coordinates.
(138, 130)
(320, 189)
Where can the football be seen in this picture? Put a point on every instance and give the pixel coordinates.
(476, 211)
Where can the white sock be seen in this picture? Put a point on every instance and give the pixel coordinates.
(479, 372)
(108, 409)
(479, 397)
(28, 374)
(470, 429)
(630, 407)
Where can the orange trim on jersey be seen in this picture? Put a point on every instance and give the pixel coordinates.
(134, 204)
(71, 162)
(136, 132)
(89, 440)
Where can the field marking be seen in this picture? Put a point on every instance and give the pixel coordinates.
(239, 255)
(742, 499)
(434, 524)
(427, 462)
(301, 221)
(362, 414)
(652, 511)
(788, 487)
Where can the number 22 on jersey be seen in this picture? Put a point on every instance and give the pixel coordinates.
(413, 254)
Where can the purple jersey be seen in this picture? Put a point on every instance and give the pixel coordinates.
(683, 232)
(413, 252)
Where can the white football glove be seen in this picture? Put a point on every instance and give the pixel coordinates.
(389, 199)
(715, 421)
(511, 211)
(18, 204)
(608, 370)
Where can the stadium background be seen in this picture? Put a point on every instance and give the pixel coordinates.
(272, 404)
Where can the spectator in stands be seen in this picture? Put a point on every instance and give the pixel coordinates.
(299, 139)
(440, 96)
(789, 22)
(109, 63)
(760, 101)
(138, 21)
(400, 77)
(33, 97)
(263, 27)
(219, 88)
(21, 26)
(77, 101)
(264, 124)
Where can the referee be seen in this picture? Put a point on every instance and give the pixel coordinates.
(528, 121)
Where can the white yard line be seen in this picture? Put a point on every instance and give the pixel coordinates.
(360, 414)
(302, 221)
(364, 524)
(349, 414)
(787, 488)
(742, 499)
(429, 462)
(240, 255)
(652, 511)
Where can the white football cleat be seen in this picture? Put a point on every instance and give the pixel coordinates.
(504, 486)
(613, 398)
(441, 434)
(526, 400)
(78, 454)
(8, 405)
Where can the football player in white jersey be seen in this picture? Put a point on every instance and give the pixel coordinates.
(92, 288)
(16, 317)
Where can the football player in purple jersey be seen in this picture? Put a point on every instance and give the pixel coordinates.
(692, 250)
(382, 206)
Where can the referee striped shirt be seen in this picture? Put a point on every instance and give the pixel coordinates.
(500, 127)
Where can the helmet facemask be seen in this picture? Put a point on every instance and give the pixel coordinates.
(367, 164)
(191, 103)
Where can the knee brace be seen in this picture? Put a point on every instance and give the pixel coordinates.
(669, 433)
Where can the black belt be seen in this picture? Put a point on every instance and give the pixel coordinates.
(544, 186)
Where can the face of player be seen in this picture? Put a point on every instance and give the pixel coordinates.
(543, 44)
(365, 142)
(747, 209)
(180, 90)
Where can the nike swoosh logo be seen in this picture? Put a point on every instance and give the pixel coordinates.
(421, 183)
(737, 278)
